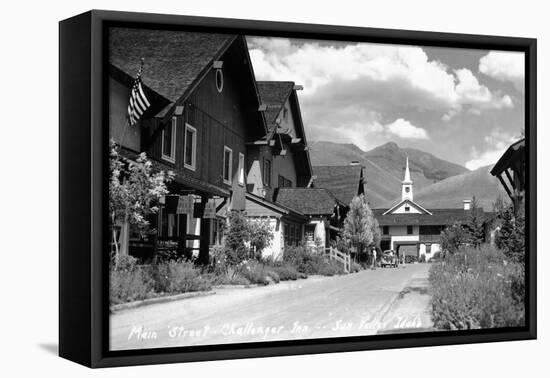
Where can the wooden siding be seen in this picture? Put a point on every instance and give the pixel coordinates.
(229, 118)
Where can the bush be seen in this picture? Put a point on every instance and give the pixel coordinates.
(422, 259)
(308, 262)
(409, 259)
(286, 272)
(130, 285)
(177, 277)
(258, 273)
(355, 267)
(477, 288)
(329, 268)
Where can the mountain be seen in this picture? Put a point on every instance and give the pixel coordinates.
(384, 167)
(450, 193)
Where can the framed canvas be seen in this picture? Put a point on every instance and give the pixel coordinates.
(234, 188)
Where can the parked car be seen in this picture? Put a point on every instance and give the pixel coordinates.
(388, 258)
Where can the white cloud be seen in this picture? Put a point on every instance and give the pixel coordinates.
(404, 129)
(392, 73)
(504, 66)
(497, 142)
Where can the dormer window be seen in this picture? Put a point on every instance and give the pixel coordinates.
(168, 139)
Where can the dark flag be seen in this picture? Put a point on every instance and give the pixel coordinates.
(138, 103)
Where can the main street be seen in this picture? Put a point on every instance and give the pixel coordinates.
(364, 303)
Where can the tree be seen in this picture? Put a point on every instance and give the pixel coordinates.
(454, 236)
(236, 238)
(360, 226)
(475, 225)
(260, 235)
(510, 236)
(134, 191)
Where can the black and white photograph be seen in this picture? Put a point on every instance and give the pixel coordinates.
(272, 189)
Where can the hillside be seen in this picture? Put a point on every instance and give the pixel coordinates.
(450, 192)
(384, 167)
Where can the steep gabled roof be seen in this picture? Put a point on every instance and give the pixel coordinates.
(309, 201)
(173, 60)
(343, 181)
(412, 203)
(274, 94)
(438, 217)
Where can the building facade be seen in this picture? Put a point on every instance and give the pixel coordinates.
(412, 230)
(204, 111)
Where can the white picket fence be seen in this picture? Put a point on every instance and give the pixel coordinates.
(343, 258)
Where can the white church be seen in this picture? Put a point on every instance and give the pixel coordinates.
(410, 229)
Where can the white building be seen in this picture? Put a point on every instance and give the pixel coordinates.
(410, 229)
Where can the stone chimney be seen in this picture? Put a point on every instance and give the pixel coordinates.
(467, 204)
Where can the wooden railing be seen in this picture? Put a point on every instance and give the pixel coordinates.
(336, 255)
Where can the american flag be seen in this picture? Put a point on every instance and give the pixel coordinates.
(138, 101)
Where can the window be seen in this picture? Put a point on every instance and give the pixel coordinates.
(407, 189)
(169, 141)
(298, 234)
(428, 248)
(190, 147)
(172, 226)
(287, 234)
(292, 234)
(216, 231)
(386, 230)
(407, 208)
(267, 172)
(284, 182)
(409, 230)
(241, 169)
(227, 164)
(219, 80)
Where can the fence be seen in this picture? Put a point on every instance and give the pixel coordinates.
(336, 255)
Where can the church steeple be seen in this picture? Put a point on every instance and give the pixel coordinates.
(407, 184)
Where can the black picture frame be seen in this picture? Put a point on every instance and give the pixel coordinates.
(83, 137)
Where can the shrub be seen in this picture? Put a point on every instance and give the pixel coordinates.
(329, 268)
(256, 273)
(286, 272)
(477, 288)
(422, 258)
(409, 259)
(355, 267)
(177, 277)
(308, 262)
(129, 285)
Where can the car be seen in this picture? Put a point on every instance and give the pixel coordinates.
(388, 258)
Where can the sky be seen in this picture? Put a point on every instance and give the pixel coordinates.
(465, 106)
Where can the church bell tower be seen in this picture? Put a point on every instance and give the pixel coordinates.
(407, 184)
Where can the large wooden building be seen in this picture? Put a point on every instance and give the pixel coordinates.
(205, 110)
(232, 142)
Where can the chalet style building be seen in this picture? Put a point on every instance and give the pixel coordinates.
(410, 229)
(233, 144)
(510, 170)
(205, 110)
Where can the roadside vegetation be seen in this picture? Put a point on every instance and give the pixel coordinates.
(134, 192)
(238, 261)
(476, 284)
